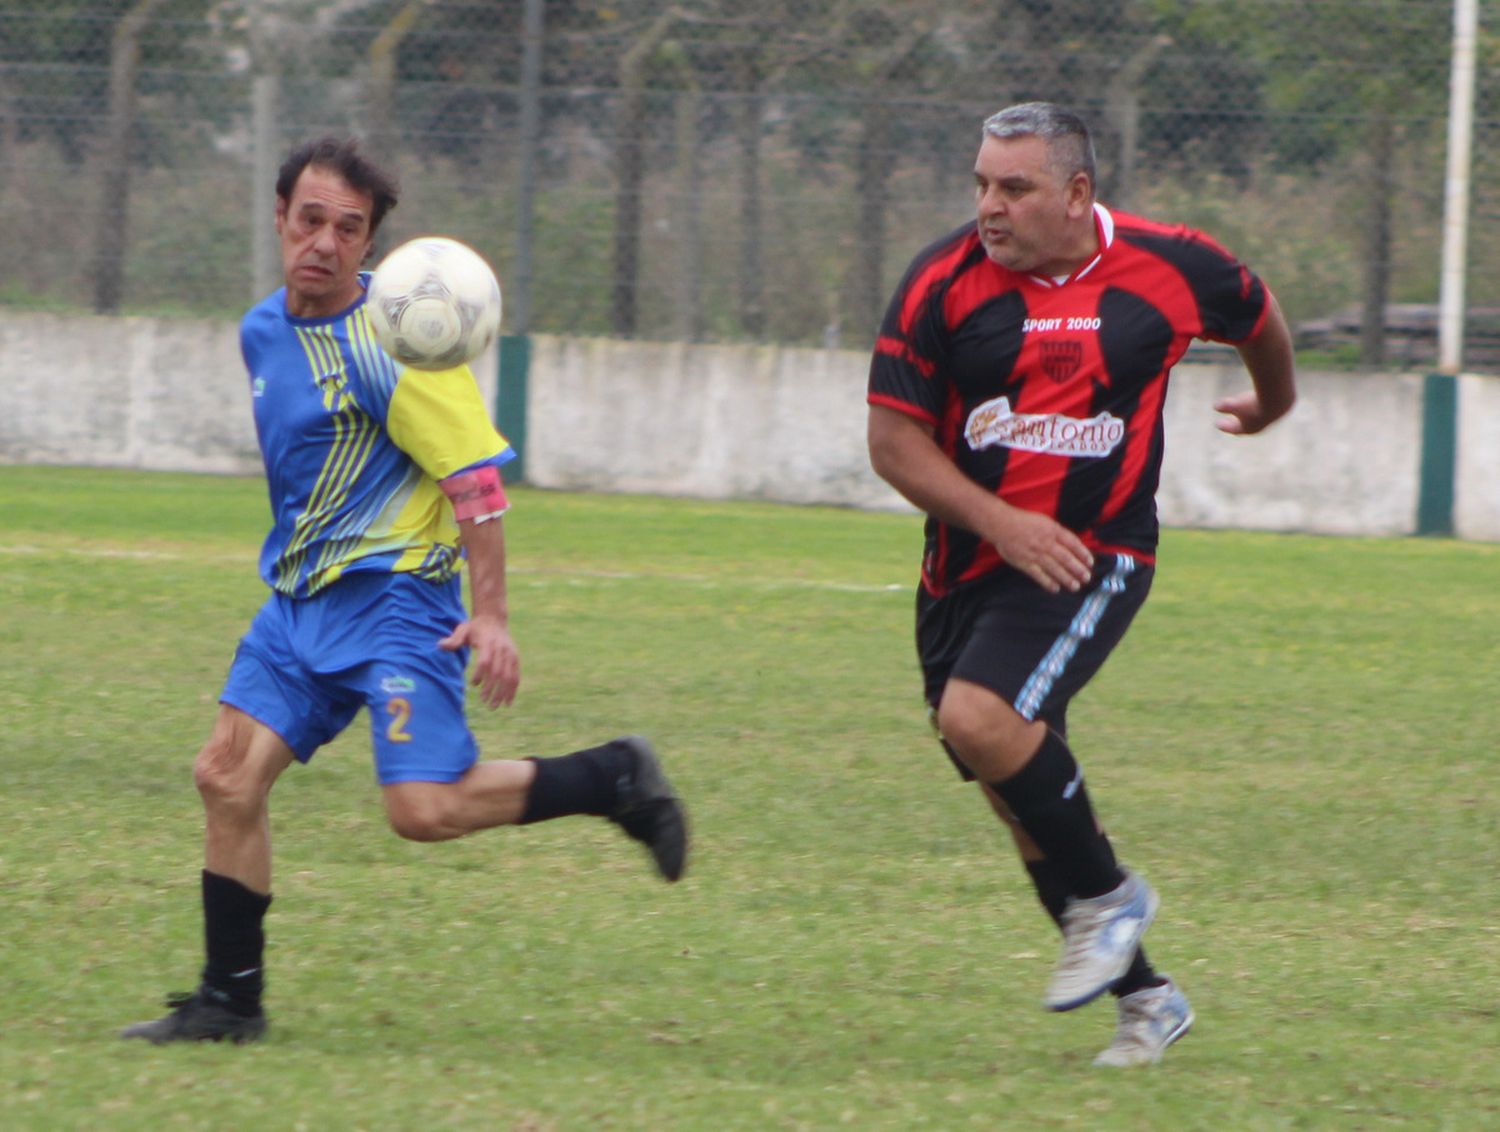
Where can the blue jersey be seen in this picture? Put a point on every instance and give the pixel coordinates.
(354, 444)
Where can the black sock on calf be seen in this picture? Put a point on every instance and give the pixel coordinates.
(1051, 803)
(1139, 976)
(235, 941)
(585, 782)
(1050, 887)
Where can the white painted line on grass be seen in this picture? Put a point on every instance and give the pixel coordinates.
(532, 577)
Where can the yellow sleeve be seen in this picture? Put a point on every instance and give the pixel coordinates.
(438, 418)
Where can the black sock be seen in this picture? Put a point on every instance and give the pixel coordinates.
(585, 782)
(1050, 888)
(235, 941)
(1049, 800)
(1053, 893)
(1139, 976)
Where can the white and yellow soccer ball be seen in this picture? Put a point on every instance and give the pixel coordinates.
(434, 303)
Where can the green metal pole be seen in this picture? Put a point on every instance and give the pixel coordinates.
(1439, 449)
(510, 406)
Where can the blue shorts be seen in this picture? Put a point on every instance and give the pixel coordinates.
(307, 665)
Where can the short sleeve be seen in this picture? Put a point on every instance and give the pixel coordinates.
(905, 371)
(439, 419)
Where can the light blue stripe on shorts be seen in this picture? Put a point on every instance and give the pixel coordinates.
(1085, 621)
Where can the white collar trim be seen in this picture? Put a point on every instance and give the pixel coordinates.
(1104, 225)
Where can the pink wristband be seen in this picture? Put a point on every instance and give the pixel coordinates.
(476, 495)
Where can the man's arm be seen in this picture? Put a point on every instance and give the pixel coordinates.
(1269, 359)
(904, 454)
(496, 664)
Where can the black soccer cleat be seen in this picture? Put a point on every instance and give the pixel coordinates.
(197, 1018)
(649, 809)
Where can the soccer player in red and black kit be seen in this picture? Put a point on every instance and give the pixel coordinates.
(1016, 397)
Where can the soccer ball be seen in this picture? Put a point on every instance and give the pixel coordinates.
(434, 303)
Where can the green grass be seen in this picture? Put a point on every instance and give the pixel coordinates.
(1296, 743)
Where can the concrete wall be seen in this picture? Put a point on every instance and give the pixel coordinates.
(740, 422)
(750, 422)
(1476, 494)
(1344, 462)
(157, 394)
(788, 424)
(124, 392)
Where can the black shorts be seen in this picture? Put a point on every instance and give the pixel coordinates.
(1033, 649)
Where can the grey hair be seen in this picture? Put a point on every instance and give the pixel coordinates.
(1068, 141)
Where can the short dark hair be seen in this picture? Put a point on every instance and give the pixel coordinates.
(1065, 133)
(344, 157)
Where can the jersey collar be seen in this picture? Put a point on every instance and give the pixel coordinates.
(1104, 229)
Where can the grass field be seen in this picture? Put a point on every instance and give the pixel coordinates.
(1296, 743)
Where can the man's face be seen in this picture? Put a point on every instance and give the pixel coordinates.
(325, 237)
(1029, 218)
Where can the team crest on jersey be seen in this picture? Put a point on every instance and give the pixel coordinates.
(1061, 359)
(334, 386)
(993, 423)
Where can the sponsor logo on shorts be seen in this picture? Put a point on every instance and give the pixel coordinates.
(395, 685)
(993, 423)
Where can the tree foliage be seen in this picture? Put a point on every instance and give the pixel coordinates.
(763, 168)
(55, 61)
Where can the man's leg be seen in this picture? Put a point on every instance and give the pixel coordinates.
(1031, 769)
(1153, 1011)
(1052, 892)
(621, 780)
(426, 755)
(234, 773)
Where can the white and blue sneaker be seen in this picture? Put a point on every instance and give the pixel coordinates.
(1100, 936)
(1150, 1021)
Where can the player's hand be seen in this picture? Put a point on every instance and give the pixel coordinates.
(1045, 550)
(1245, 415)
(496, 666)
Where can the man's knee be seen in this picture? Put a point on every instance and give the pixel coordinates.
(421, 811)
(222, 774)
(235, 769)
(983, 728)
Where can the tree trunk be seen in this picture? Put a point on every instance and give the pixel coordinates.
(1123, 109)
(10, 136)
(690, 219)
(380, 80)
(751, 272)
(533, 28)
(873, 168)
(630, 142)
(114, 175)
(1377, 250)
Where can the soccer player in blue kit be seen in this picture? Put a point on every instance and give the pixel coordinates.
(382, 481)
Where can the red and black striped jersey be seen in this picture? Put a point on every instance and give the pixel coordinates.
(1050, 392)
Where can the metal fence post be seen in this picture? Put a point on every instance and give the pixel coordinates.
(511, 397)
(1439, 454)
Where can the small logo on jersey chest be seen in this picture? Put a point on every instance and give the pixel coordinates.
(1061, 358)
(333, 385)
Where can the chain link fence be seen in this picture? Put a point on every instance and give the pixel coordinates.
(747, 170)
